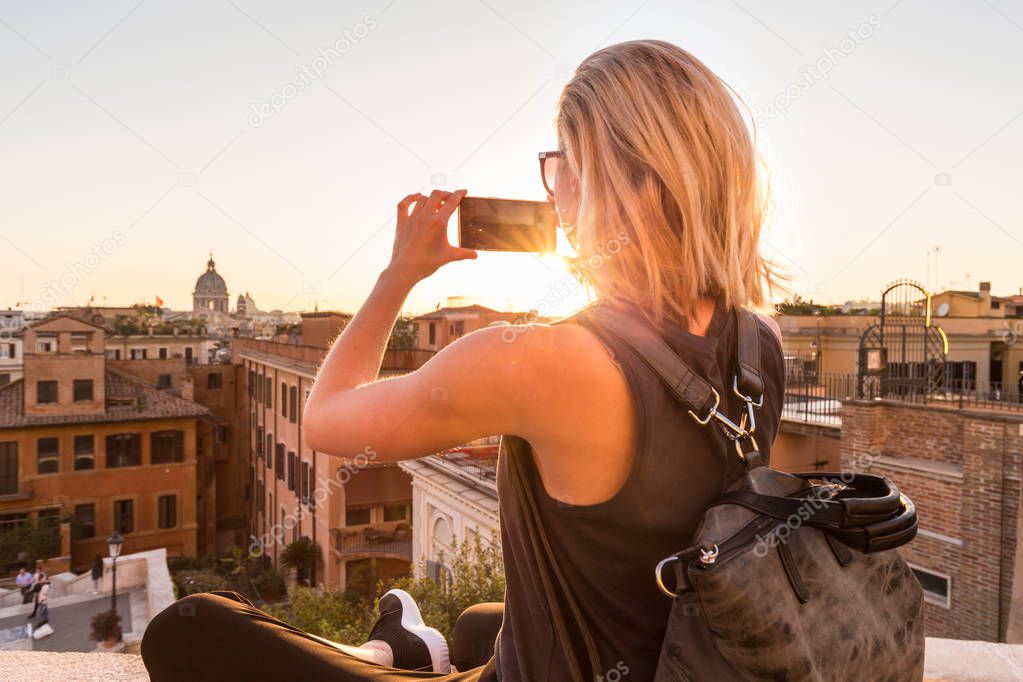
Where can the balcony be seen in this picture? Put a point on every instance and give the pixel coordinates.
(373, 542)
(818, 400)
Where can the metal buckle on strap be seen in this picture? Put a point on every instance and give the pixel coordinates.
(735, 387)
(660, 580)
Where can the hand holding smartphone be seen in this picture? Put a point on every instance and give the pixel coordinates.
(490, 224)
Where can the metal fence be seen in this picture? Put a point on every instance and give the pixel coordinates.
(820, 402)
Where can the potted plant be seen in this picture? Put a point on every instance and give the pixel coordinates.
(106, 631)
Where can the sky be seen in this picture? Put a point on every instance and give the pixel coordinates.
(136, 137)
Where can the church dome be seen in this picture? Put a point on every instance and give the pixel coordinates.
(210, 282)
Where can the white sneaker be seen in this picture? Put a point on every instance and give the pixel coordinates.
(414, 645)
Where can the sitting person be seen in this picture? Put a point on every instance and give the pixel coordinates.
(655, 181)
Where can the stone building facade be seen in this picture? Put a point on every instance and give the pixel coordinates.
(961, 467)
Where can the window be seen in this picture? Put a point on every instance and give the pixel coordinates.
(124, 450)
(85, 452)
(84, 524)
(357, 516)
(8, 351)
(252, 383)
(9, 468)
(48, 455)
(46, 392)
(188, 355)
(48, 518)
(167, 446)
(284, 399)
(459, 328)
(259, 441)
(937, 586)
(433, 333)
(259, 389)
(167, 510)
(83, 390)
(162, 353)
(5, 378)
(279, 461)
(269, 451)
(124, 516)
(214, 381)
(46, 345)
(304, 483)
(9, 522)
(269, 393)
(293, 404)
(114, 354)
(163, 381)
(219, 435)
(291, 471)
(395, 512)
(138, 353)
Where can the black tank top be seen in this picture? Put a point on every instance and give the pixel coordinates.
(608, 551)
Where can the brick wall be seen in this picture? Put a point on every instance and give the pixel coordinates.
(962, 469)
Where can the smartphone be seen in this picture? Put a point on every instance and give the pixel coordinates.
(489, 224)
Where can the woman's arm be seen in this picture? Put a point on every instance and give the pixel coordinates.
(349, 412)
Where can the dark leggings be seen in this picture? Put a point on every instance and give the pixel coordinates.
(222, 636)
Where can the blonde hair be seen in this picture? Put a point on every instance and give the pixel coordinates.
(666, 167)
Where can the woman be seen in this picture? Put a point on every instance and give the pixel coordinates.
(655, 181)
(97, 573)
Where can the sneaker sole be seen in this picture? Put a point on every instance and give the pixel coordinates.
(412, 620)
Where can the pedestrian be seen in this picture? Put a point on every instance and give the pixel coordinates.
(97, 573)
(24, 582)
(41, 626)
(37, 587)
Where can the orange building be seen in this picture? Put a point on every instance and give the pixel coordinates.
(85, 442)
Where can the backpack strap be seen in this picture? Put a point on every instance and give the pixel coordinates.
(688, 387)
(555, 586)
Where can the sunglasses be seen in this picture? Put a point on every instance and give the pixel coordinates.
(549, 162)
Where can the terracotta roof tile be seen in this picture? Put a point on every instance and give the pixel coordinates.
(127, 400)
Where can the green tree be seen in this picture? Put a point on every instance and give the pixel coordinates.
(474, 574)
(404, 335)
(304, 556)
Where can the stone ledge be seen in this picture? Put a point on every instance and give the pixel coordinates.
(948, 660)
(43, 666)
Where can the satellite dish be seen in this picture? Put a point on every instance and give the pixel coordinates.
(943, 309)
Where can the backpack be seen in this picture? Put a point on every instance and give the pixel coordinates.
(789, 576)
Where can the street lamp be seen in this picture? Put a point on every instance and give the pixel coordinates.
(114, 543)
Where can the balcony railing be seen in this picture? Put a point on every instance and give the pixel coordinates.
(373, 541)
(820, 402)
